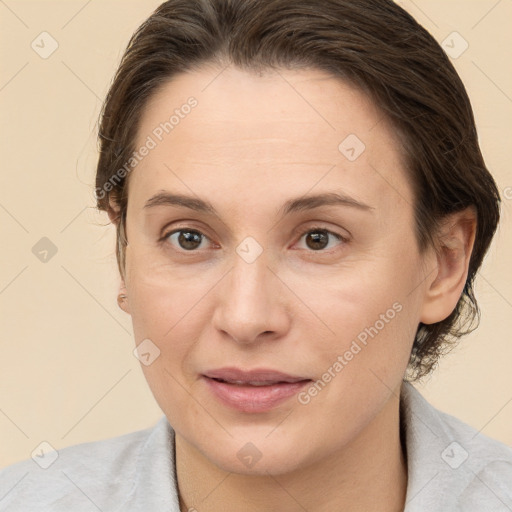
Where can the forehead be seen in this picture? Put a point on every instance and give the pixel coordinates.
(278, 130)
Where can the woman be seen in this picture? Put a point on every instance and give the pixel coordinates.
(301, 206)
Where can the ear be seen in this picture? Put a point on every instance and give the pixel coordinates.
(124, 304)
(113, 212)
(455, 245)
(114, 216)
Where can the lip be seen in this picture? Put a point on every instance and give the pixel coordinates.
(253, 375)
(255, 390)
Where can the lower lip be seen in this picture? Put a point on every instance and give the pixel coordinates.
(254, 398)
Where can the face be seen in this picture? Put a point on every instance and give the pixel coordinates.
(250, 270)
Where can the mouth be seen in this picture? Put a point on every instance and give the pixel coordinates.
(257, 376)
(251, 382)
(258, 390)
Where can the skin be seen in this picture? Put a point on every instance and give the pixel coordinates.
(252, 143)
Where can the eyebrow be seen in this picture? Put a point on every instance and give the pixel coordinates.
(303, 203)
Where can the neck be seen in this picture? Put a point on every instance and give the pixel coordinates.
(368, 474)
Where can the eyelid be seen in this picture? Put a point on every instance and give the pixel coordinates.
(180, 225)
(320, 227)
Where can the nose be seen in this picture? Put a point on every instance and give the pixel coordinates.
(252, 303)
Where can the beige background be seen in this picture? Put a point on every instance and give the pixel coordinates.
(67, 372)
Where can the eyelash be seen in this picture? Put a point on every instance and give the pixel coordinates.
(314, 229)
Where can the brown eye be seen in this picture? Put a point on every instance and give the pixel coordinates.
(187, 239)
(318, 239)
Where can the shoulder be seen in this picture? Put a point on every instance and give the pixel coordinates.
(487, 464)
(81, 477)
(452, 461)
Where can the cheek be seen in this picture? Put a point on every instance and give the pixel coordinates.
(360, 366)
(170, 312)
(163, 297)
(355, 297)
(373, 310)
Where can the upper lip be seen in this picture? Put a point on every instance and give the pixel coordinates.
(253, 375)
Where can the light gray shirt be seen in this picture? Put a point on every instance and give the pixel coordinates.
(451, 467)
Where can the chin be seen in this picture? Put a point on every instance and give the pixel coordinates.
(259, 457)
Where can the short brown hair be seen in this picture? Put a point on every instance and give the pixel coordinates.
(373, 44)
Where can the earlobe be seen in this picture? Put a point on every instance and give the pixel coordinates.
(122, 298)
(455, 244)
(113, 213)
